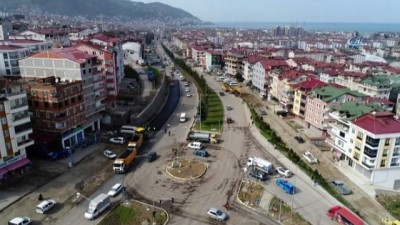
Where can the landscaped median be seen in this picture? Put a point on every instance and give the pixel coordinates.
(280, 211)
(210, 109)
(134, 212)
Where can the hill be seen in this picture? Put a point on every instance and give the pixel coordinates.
(92, 8)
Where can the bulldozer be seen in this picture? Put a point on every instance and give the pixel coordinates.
(386, 221)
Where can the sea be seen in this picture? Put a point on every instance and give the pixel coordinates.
(362, 28)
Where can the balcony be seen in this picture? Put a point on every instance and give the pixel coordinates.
(372, 142)
(368, 165)
(396, 153)
(20, 116)
(16, 106)
(23, 128)
(370, 152)
(25, 143)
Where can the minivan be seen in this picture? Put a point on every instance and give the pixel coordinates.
(45, 206)
(182, 118)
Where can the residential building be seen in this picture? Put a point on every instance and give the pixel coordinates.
(198, 54)
(376, 148)
(214, 59)
(5, 29)
(301, 91)
(56, 107)
(57, 36)
(320, 102)
(377, 86)
(15, 129)
(233, 61)
(76, 34)
(248, 64)
(69, 65)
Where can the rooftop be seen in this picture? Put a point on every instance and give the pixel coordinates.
(378, 123)
(352, 109)
(310, 84)
(68, 53)
(328, 93)
(376, 80)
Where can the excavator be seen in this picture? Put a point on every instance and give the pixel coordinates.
(232, 89)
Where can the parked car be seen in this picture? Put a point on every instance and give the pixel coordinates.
(45, 206)
(195, 145)
(221, 93)
(151, 157)
(117, 140)
(115, 190)
(20, 221)
(309, 157)
(187, 83)
(299, 139)
(187, 89)
(340, 187)
(188, 94)
(229, 120)
(201, 152)
(229, 107)
(262, 112)
(283, 171)
(217, 214)
(109, 154)
(259, 175)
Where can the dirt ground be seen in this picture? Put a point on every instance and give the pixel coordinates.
(288, 218)
(250, 193)
(187, 169)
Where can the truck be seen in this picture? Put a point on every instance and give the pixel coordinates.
(386, 221)
(343, 216)
(287, 186)
(204, 137)
(97, 206)
(260, 164)
(125, 160)
(310, 158)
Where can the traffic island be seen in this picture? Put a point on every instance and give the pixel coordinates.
(184, 169)
(280, 211)
(134, 212)
(250, 193)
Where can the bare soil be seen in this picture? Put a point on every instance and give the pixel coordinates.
(250, 193)
(187, 169)
(286, 215)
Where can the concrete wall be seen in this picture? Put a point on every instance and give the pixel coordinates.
(156, 105)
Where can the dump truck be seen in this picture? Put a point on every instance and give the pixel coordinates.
(344, 216)
(260, 164)
(285, 185)
(125, 160)
(386, 221)
(203, 137)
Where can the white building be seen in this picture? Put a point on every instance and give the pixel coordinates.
(15, 129)
(133, 51)
(5, 29)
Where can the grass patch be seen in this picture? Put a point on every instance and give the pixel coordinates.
(279, 209)
(250, 193)
(215, 114)
(133, 213)
(391, 204)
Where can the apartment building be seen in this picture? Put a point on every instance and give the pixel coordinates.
(56, 107)
(377, 86)
(248, 64)
(301, 91)
(5, 29)
(233, 61)
(198, 54)
(55, 35)
(15, 129)
(70, 65)
(320, 102)
(214, 59)
(376, 148)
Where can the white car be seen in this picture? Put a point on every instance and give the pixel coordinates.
(115, 190)
(217, 214)
(45, 206)
(283, 171)
(187, 83)
(20, 221)
(109, 154)
(187, 89)
(188, 94)
(117, 140)
(195, 145)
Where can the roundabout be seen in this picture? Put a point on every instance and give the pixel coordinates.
(186, 169)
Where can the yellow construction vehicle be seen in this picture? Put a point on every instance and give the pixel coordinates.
(386, 221)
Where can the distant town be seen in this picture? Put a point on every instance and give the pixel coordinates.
(190, 124)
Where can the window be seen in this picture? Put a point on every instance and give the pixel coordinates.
(47, 115)
(383, 162)
(3, 120)
(385, 152)
(397, 141)
(1, 107)
(360, 135)
(5, 55)
(358, 146)
(6, 133)
(37, 114)
(356, 156)
(387, 141)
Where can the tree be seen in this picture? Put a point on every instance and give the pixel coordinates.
(239, 77)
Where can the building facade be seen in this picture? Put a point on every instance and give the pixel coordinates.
(15, 128)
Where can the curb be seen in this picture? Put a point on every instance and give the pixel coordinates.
(240, 201)
(186, 179)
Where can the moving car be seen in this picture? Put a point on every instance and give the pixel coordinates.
(187, 89)
(221, 93)
(188, 94)
(340, 187)
(109, 154)
(259, 175)
(201, 152)
(187, 83)
(229, 107)
(45, 206)
(115, 190)
(310, 158)
(217, 214)
(262, 112)
(117, 140)
(229, 120)
(20, 221)
(299, 139)
(283, 171)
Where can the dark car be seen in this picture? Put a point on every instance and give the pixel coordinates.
(229, 120)
(221, 93)
(201, 152)
(151, 157)
(340, 187)
(258, 175)
(299, 139)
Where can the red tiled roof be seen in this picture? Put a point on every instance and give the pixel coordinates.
(68, 53)
(310, 84)
(10, 47)
(48, 31)
(270, 63)
(378, 123)
(28, 41)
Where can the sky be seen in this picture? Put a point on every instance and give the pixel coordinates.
(342, 11)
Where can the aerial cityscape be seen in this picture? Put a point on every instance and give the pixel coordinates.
(119, 112)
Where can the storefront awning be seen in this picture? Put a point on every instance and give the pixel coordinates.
(3, 171)
(18, 164)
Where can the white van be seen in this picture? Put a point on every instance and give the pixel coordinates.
(97, 206)
(45, 206)
(182, 118)
(128, 129)
(195, 145)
